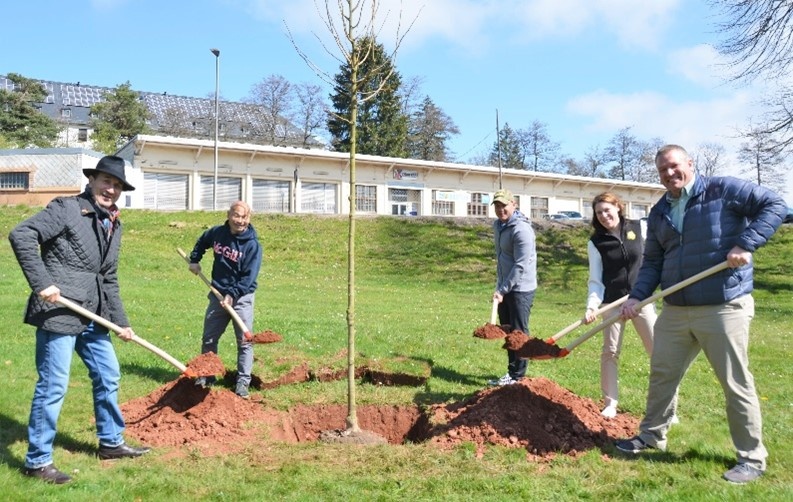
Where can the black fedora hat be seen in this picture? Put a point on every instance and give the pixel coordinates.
(112, 165)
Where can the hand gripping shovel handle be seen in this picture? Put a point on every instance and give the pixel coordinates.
(579, 322)
(118, 329)
(233, 313)
(494, 312)
(668, 291)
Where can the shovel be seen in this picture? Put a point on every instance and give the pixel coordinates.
(233, 313)
(611, 320)
(135, 338)
(579, 322)
(494, 312)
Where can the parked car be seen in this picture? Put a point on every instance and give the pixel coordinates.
(557, 216)
(789, 217)
(573, 215)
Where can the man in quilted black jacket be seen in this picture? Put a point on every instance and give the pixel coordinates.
(71, 249)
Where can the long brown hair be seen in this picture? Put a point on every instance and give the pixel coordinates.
(608, 198)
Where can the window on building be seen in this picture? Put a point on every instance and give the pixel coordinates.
(477, 206)
(366, 198)
(404, 202)
(442, 203)
(14, 181)
(639, 211)
(82, 134)
(539, 207)
(66, 113)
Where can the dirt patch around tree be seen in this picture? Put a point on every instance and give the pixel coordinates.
(534, 414)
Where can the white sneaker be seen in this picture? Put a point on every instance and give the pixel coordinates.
(609, 411)
(505, 380)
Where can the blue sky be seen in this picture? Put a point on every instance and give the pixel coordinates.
(586, 68)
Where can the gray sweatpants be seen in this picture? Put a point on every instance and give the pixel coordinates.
(217, 319)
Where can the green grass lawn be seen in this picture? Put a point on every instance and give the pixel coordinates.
(423, 286)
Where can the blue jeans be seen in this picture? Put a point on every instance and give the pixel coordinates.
(53, 363)
(515, 310)
(217, 319)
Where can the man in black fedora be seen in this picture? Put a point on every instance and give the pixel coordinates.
(71, 249)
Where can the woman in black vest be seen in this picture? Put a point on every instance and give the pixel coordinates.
(615, 255)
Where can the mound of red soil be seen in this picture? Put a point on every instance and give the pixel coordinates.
(530, 348)
(208, 364)
(267, 336)
(490, 332)
(535, 414)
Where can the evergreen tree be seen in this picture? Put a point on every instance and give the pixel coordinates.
(120, 117)
(381, 124)
(430, 129)
(512, 156)
(21, 123)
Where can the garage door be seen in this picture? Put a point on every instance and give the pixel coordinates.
(318, 198)
(165, 191)
(270, 196)
(229, 191)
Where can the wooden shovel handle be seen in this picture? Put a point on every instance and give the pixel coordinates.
(118, 329)
(233, 313)
(494, 312)
(581, 321)
(668, 291)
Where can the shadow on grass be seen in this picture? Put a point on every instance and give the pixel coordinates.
(12, 431)
(676, 458)
(161, 375)
(447, 375)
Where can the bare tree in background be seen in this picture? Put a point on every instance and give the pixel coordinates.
(540, 152)
(644, 171)
(274, 95)
(594, 162)
(311, 111)
(709, 158)
(354, 21)
(759, 44)
(624, 151)
(762, 158)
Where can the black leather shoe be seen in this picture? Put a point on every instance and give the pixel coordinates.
(48, 473)
(121, 451)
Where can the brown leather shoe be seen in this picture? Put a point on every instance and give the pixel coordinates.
(48, 473)
(121, 451)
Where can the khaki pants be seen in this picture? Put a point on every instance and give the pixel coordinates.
(722, 333)
(612, 347)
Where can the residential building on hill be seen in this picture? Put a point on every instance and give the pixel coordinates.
(69, 104)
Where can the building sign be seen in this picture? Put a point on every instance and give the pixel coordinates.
(463, 197)
(404, 174)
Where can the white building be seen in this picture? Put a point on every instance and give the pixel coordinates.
(172, 173)
(179, 173)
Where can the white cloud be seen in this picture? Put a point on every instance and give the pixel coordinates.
(652, 114)
(700, 64)
(469, 24)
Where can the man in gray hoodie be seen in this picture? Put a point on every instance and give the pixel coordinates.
(516, 275)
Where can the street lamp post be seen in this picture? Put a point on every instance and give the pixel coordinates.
(216, 52)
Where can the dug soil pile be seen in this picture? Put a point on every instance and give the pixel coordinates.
(530, 348)
(535, 414)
